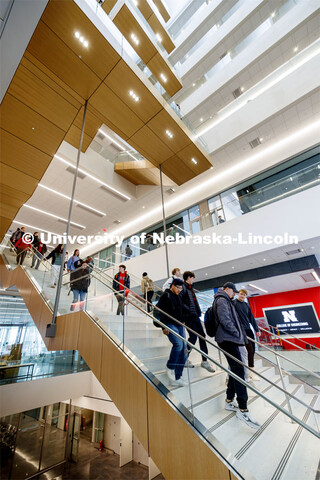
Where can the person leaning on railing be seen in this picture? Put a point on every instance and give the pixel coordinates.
(22, 249)
(121, 283)
(80, 281)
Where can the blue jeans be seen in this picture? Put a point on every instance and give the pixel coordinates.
(178, 354)
(78, 295)
(36, 257)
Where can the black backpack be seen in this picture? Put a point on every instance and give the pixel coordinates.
(157, 315)
(211, 321)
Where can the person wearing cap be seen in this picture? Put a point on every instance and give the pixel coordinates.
(170, 303)
(147, 288)
(230, 335)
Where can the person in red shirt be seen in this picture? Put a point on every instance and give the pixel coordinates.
(121, 283)
(22, 249)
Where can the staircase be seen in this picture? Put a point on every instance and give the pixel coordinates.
(128, 355)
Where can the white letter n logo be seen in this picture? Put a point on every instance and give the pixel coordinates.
(289, 316)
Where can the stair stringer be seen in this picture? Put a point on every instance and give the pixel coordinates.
(177, 450)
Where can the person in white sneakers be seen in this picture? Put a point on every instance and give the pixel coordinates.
(191, 313)
(229, 336)
(170, 302)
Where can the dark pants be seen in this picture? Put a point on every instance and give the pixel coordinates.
(195, 324)
(235, 387)
(148, 296)
(250, 348)
(21, 255)
(121, 299)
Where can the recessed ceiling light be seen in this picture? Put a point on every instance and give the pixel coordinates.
(81, 39)
(232, 268)
(77, 35)
(273, 14)
(193, 160)
(261, 139)
(242, 89)
(134, 96)
(85, 43)
(170, 135)
(218, 25)
(32, 128)
(143, 206)
(201, 119)
(211, 168)
(134, 38)
(206, 274)
(69, 198)
(193, 84)
(158, 37)
(135, 2)
(295, 49)
(163, 77)
(264, 259)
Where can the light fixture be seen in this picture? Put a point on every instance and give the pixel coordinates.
(201, 119)
(134, 96)
(273, 14)
(163, 77)
(91, 176)
(295, 49)
(158, 37)
(193, 160)
(193, 84)
(316, 276)
(134, 38)
(69, 198)
(258, 288)
(36, 229)
(232, 268)
(242, 89)
(261, 139)
(143, 206)
(170, 135)
(54, 216)
(135, 2)
(32, 128)
(264, 259)
(81, 39)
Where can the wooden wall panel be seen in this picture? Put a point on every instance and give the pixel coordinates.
(90, 344)
(64, 63)
(37, 95)
(71, 331)
(158, 67)
(162, 10)
(29, 126)
(65, 18)
(164, 422)
(127, 388)
(9, 176)
(22, 156)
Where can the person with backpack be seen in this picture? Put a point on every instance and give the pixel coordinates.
(22, 249)
(79, 285)
(170, 302)
(39, 249)
(121, 283)
(229, 335)
(176, 273)
(192, 314)
(17, 235)
(128, 252)
(73, 260)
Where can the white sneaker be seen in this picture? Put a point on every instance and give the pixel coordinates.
(171, 375)
(207, 366)
(247, 418)
(189, 364)
(178, 383)
(231, 406)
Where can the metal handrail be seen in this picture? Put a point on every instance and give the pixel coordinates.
(291, 335)
(215, 346)
(286, 393)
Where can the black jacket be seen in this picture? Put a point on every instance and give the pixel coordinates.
(80, 279)
(190, 305)
(170, 303)
(230, 328)
(245, 315)
(115, 284)
(37, 244)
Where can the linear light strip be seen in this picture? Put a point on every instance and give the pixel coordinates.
(316, 276)
(258, 288)
(69, 198)
(52, 215)
(92, 177)
(36, 229)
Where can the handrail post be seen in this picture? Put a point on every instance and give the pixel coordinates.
(283, 386)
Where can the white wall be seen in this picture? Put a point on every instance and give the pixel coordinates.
(294, 215)
(111, 434)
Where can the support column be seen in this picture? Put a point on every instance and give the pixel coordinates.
(164, 224)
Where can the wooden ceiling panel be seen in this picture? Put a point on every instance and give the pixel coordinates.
(36, 94)
(145, 9)
(153, 148)
(138, 173)
(62, 61)
(4, 225)
(159, 29)
(163, 122)
(191, 151)
(52, 80)
(159, 67)
(147, 106)
(114, 109)
(128, 25)
(8, 210)
(92, 123)
(65, 18)
(28, 125)
(22, 156)
(108, 5)
(176, 169)
(162, 10)
(22, 182)
(14, 197)
(73, 137)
